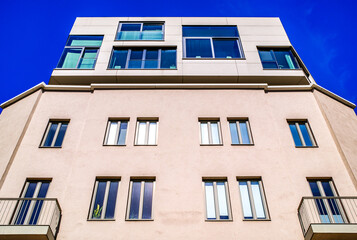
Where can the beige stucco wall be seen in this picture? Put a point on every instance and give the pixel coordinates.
(178, 161)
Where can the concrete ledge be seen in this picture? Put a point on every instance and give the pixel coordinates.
(21, 232)
(331, 232)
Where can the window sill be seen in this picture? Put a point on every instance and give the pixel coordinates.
(136, 220)
(257, 220)
(220, 144)
(100, 220)
(243, 144)
(306, 146)
(49, 147)
(107, 145)
(150, 145)
(213, 58)
(219, 220)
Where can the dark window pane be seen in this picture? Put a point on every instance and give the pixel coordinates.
(60, 135)
(135, 200)
(38, 205)
(50, 135)
(136, 54)
(152, 54)
(147, 204)
(305, 134)
(152, 27)
(85, 41)
(134, 64)
(130, 27)
(226, 48)
(112, 198)
(21, 216)
(168, 58)
(198, 48)
(70, 58)
(210, 31)
(266, 56)
(151, 64)
(122, 133)
(234, 133)
(244, 132)
(151, 58)
(295, 134)
(118, 60)
(98, 203)
(285, 59)
(270, 65)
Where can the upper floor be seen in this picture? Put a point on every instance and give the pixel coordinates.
(179, 50)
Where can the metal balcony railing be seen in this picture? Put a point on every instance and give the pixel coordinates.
(30, 212)
(327, 210)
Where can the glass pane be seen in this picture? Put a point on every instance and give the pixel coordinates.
(234, 132)
(269, 65)
(118, 60)
(151, 59)
(135, 64)
(70, 58)
(129, 32)
(112, 132)
(141, 133)
(204, 133)
(215, 133)
(295, 134)
(198, 48)
(130, 27)
(258, 200)
(210, 31)
(88, 59)
(135, 59)
(122, 133)
(305, 134)
(266, 56)
(285, 59)
(152, 27)
(151, 64)
(152, 133)
(168, 58)
(319, 202)
(38, 205)
(60, 135)
(112, 198)
(211, 210)
(332, 202)
(152, 35)
(147, 203)
(244, 132)
(50, 135)
(85, 41)
(247, 210)
(99, 197)
(23, 210)
(226, 48)
(135, 201)
(222, 201)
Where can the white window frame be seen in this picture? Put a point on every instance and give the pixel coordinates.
(251, 199)
(216, 202)
(237, 121)
(50, 122)
(141, 30)
(116, 138)
(147, 131)
(142, 188)
(210, 138)
(309, 131)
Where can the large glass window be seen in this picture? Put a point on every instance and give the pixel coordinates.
(211, 42)
(278, 58)
(140, 31)
(54, 133)
(116, 132)
(146, 132)
(140, 202)
(143, 58)
(104, 199)
(302, 133)
(240, 131)
(210, 132)
(217, 200)
(253, 199)
(80, 52)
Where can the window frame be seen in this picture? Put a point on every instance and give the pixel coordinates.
(105, 199)
(141, 30)
(251, 198)
(210, 139)
(141, 200)
(83, 49)
(272, 50)
(249, 129)
(48, 127)
(216, 202)
(147, 130)
(309, 131)
(119, 121)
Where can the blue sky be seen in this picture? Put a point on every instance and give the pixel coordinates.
(33, 34)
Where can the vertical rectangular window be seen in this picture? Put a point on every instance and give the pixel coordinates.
(253, 199)
(277, 58)
(140, 200)
(302, 133)
(54, 133)
(217, 200)
(80, 52)
(104, 199)
(146, 132)
(116, 132)
(240, 131)
(210, 132)
(140, 31)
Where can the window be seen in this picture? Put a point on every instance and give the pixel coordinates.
(140, 200)
(143, 58)
(253, 199)
(29, 210)
(211, 42)
(217, 200)
(302, 133)
(80, 52)
(210, 132)
(140, 31)
(146, 132)
(116, 132)
(54, 133)
(104, 199)
(278, 58)
(240, 131)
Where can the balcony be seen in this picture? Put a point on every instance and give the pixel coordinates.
(29, 218)
(328, 218)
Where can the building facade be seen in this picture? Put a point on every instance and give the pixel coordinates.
(172, 128)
